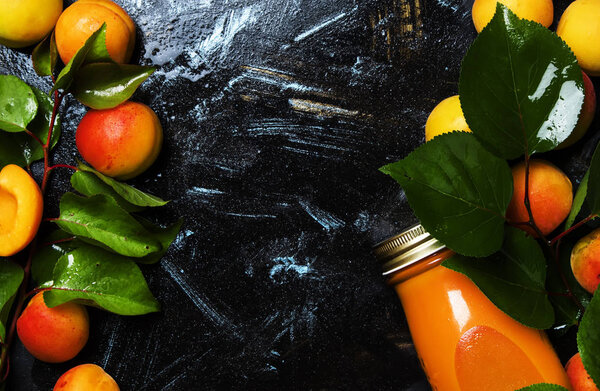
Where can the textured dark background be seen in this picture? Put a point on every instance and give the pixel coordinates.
(277, 114)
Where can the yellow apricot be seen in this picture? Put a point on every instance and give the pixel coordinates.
(25, 22)
(550, 196)
(541, 11)
(21, 207)
(81, 19)
(579, 27)
(86, 377)
(53, 334)
(446, 117)
(121, 142)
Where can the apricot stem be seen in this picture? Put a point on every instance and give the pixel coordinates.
(57, 101)
(35, 137)
(58, 241)
(62, 166)
(573, 228)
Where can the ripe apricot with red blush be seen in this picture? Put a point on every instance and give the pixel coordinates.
(56, 334)
(585, 261)
(86, 377)
(550, 196)
(578, 376)
(121, 142)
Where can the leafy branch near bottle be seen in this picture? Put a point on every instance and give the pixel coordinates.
(93, 255)
(521, 91)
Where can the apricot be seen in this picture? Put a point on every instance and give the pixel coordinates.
(550, 196)
(56, 334)
(578, 376)
(21, 207)
(541, 11)
(585, 261)
(121, 142)
(86, 377)
(84, 17)
(25, 22)
(588, 110)
(579, 27)
(446, 117)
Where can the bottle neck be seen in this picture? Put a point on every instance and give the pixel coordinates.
(421, 266)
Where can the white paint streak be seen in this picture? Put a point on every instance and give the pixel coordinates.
(326, 219)
(319, 27)
(204, 191)
(200, 301)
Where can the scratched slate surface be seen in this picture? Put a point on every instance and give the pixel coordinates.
(277, 114)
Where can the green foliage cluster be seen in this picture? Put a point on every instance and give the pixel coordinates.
(521, 91)
(92, 256)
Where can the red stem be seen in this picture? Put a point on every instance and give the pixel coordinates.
(62, 166)
(57, 101)
(573, 228)
(58, 241)
(35, 137)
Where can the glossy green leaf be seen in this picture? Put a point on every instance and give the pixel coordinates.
(100, 218)
(106, 85)
(51, 248)
(593, 187)
(18, 105)
(588, 339)
(566, 310)
(45, 56)
(513, 279)
(165, 236)
(521, 88)
(89, 184)
(578, 200)
(93, 50)
(543, 387)
(129, 193)
(11, 276)
(458, 190)
(22, 149)
(93, 276)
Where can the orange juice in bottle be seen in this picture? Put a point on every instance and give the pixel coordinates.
(465, 342)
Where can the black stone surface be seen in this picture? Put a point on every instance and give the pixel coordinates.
(277, 114)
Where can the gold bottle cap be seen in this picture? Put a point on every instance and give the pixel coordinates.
(405, 249)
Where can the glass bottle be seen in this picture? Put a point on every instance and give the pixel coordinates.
(464, 342)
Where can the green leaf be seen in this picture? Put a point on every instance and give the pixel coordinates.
(44, 56)
(593, 187)
(100, 218)
(97, 277)
(22, 149)
(106, 85)
(521, 88)
(513, 279)
(165, 236)
(93, 50)
(566, 310)
(45, 259)
(458, 190)
(89, 184)
(588, 339)
(18, 105)
(129, 193)
(578, 200)
(543, 387)
(11, 276)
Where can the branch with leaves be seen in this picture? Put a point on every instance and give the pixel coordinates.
(521, 91)
(93, 253)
